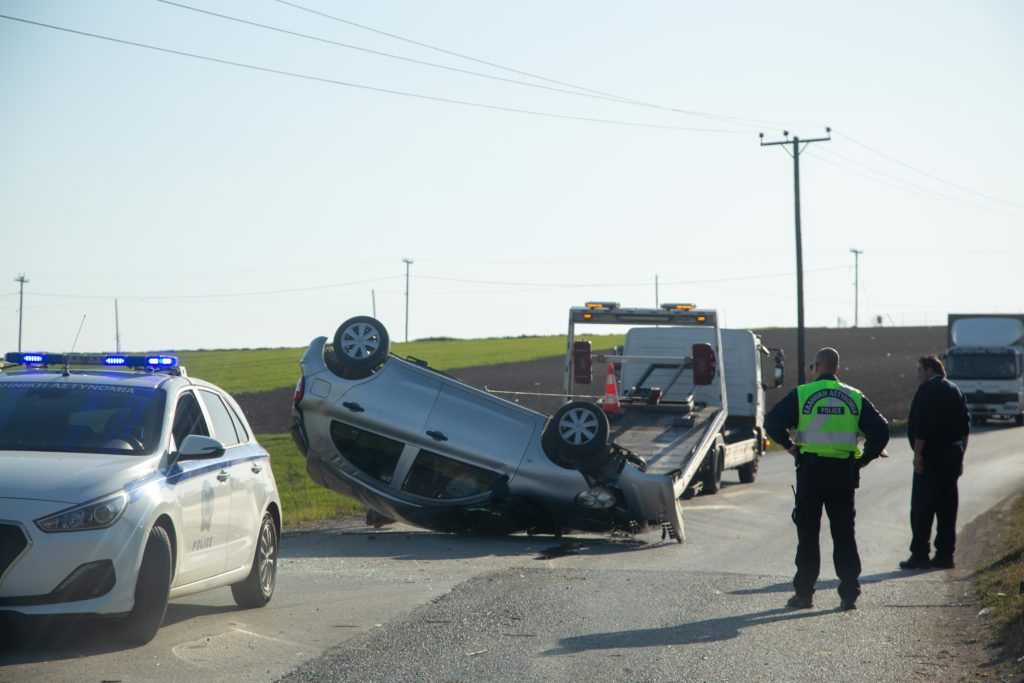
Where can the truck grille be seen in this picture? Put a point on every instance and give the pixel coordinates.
(12, 544)
(986, 397)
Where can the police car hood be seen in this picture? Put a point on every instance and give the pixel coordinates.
(68, 477)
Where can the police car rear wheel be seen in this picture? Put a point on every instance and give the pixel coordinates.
(576, 436)
(152, 588)
(258, 587)
(361, 345)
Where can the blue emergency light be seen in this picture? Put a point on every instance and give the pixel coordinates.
(112, 360)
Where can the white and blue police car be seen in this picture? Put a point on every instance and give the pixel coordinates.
(125, 484)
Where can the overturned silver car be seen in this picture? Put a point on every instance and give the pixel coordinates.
(416, 445)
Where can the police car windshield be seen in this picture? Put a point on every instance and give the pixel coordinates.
(78, 417)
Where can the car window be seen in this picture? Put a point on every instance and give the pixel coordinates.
(223, 427)
(435, 476)
(80, 417)
(243, 434)
(188, 419)
(374, 455)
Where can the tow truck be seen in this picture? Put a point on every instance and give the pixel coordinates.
(690, 417)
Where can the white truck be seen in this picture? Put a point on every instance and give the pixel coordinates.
(690, 395)
(985, 359)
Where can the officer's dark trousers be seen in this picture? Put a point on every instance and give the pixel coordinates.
(830, 483)
(935, 496)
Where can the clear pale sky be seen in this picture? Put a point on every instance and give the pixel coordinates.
(224, 206)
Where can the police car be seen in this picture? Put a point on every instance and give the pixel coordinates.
(124, 485)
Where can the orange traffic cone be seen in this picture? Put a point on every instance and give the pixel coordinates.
(610, 403)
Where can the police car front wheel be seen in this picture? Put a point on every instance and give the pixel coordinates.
(152, 589)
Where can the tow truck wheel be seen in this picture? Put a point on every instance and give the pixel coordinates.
(361, 345)
(712, 480)
(1019, 420)
(748, 472)
(576, 436)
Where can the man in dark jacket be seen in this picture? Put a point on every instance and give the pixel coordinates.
(827, 416)
(938, 427)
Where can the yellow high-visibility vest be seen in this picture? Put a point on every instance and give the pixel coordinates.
(829, 415)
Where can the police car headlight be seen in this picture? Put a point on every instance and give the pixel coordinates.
(596, 499)
(97, 514)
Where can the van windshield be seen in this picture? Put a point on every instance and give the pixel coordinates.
(981, 366)
(78, 417)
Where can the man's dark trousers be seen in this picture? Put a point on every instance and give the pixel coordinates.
(934, 496)
(831, 483)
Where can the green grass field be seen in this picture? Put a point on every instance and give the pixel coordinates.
(247, 371)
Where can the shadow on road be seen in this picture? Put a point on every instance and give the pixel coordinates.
(787, 586)
(706, 631)
(29, 640)
(425, 545)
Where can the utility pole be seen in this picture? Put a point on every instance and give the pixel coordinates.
(856, 284)
(407, 262)
(657, 299)
(117, 328)
(800, 331)
(373, 300)
(22, 281)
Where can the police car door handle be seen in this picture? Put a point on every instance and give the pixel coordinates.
(353, 406)
(223, 475)
(257, 468)
(437, 436)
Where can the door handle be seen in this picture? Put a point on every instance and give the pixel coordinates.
(257, 468)
(437, 436)
(353, 406)
(223, 476)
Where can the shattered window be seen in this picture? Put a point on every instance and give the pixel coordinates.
(434, 476)
(373, 455)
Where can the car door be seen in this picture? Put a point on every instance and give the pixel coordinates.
(203, 491)
(245, 462)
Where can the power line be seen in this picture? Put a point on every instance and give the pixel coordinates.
(389, 91)
(754, 123)
(929, 175)
(940, 195)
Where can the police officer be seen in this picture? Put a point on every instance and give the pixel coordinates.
(827, 416)
(938, 427)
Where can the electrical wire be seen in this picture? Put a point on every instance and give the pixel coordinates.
(627, 100)
(390, 91)
(925, 173)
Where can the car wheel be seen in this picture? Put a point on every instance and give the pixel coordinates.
(152, 588)
(258, 587)
(712, 480)
(576, 436)
(361, 345)
(748, 472)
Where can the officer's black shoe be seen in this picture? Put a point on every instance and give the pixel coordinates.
(847, 605)
(942, 562)
(916, 563)
(800, 602)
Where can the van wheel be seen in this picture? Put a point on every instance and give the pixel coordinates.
(152, 588)
(748, 472)
(576, 436)
(712, 479)
(361, 345)
(258, 587)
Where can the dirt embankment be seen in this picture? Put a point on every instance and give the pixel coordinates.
(878, 360)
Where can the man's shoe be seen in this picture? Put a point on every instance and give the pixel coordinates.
(942, 562)
(916, 563)
(846, 605)
(800, 602)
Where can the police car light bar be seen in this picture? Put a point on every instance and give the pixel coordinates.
(115, 360)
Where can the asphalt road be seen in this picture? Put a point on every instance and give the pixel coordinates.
(403, 604)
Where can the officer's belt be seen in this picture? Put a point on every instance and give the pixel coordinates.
(828, 456)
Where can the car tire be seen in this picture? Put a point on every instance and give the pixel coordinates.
(576, 436)
(152, 589)
(712, 480)
(748, 472)
(361, 345)
(258, 587)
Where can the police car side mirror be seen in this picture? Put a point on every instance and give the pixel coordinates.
(196, 447)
